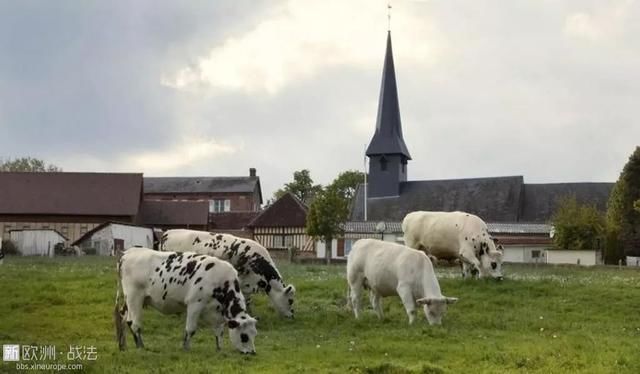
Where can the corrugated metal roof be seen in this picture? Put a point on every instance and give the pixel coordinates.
(494, 228)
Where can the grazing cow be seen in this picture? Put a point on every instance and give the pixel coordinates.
(255, 267)
(171, 282)
(449, 235)
(389, 269)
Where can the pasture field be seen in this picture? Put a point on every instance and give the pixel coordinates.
(540, 319)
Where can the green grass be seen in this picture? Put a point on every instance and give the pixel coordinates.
(544, 319)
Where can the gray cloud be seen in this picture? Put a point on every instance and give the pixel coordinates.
(544, 89)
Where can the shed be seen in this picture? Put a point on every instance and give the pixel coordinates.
(104, 238)
(36, 242)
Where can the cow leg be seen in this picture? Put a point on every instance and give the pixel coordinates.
(376, 303)
(219, 331)
(470, 260)
(409, 302)
(355, 284)
(193, 314)
(134, 317)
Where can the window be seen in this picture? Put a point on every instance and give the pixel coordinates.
(219, 205)
(383, 164)
(535, 254)
(347, 246)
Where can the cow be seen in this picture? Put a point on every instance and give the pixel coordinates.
(171, 282)
(449, 235)
(255, 267)
(389, 269)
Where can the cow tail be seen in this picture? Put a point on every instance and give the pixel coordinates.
(119, 311)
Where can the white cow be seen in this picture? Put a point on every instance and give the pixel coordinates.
(171, 282)
(448, 235)
(255, 267)
(389, 269)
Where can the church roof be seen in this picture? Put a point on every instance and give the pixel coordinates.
(388, 137)
(499, 199)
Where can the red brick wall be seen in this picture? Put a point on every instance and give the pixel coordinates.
(239, 201)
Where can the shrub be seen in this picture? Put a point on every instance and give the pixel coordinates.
(9, 248)
(577, 226)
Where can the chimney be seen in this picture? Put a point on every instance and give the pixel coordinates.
(252, 172)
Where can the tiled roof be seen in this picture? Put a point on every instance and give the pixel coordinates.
(287, 211)
(163, 212)
(90, 194)
(199, 184)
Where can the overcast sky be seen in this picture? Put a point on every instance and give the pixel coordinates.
(546, 89)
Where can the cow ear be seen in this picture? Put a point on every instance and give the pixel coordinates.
(424, 301)
(451, 300)
(232, 324)
(290, 290)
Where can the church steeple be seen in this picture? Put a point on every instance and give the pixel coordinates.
(387, 151)
(388, 137)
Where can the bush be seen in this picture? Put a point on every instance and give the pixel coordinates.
(577, 226)
(9, 248)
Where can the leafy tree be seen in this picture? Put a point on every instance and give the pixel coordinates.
(301, 187)
(623, 211)
(27, 164)
(327, 213)
(347, 182)
(577, 226)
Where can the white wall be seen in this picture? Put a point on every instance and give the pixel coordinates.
(36, 242)
(102, 240)
(558, 256)
(334, 245)
(633, 261)
(523, 253)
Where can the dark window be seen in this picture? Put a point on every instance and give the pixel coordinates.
(535, 254)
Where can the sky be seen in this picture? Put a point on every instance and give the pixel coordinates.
(546, 89)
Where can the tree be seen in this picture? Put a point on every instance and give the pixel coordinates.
(347, 182)
(27, 164)
(301, 187)
(623, 213)
(577, 226)
(326, 217)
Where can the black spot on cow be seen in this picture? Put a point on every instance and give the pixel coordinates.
(198, 281)
(164, 296)
(244, 338)
(160, 273)
(473, 239)
(171, 280)
(199, 300)
(465, 238)
(196, 241)
(236, 285)
(262, 284)
(157, 269)
(268, 288)
(481, 251)
(165, 286)
(290, 301)
(209, 266)
(219, 237)
(191, 265)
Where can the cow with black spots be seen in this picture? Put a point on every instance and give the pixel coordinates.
(206, 287)
(256, 269)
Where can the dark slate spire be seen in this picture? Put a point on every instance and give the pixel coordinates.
(388, 136)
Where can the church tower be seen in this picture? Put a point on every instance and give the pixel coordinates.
(387, 152)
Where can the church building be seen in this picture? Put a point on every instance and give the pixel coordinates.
(391, 195)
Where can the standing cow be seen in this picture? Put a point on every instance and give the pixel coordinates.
(255, 267)
(449, 235)
(389, 269)
(171, 282)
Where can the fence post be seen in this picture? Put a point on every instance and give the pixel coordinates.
(620, 264)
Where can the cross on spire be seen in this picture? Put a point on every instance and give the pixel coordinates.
(389, 16)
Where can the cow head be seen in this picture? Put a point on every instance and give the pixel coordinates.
(435, 308)
(491, 259)
(242, 332)
(282, 300)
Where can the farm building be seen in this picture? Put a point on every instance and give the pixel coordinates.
(167, 214)
(70, 203)
(36, 242)
(104, 239)
(282, 225)
(232, 202)
(390, 195)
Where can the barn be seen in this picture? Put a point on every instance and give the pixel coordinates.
(282, 225)
(69, 203)
(104, 239)
(36, 242)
